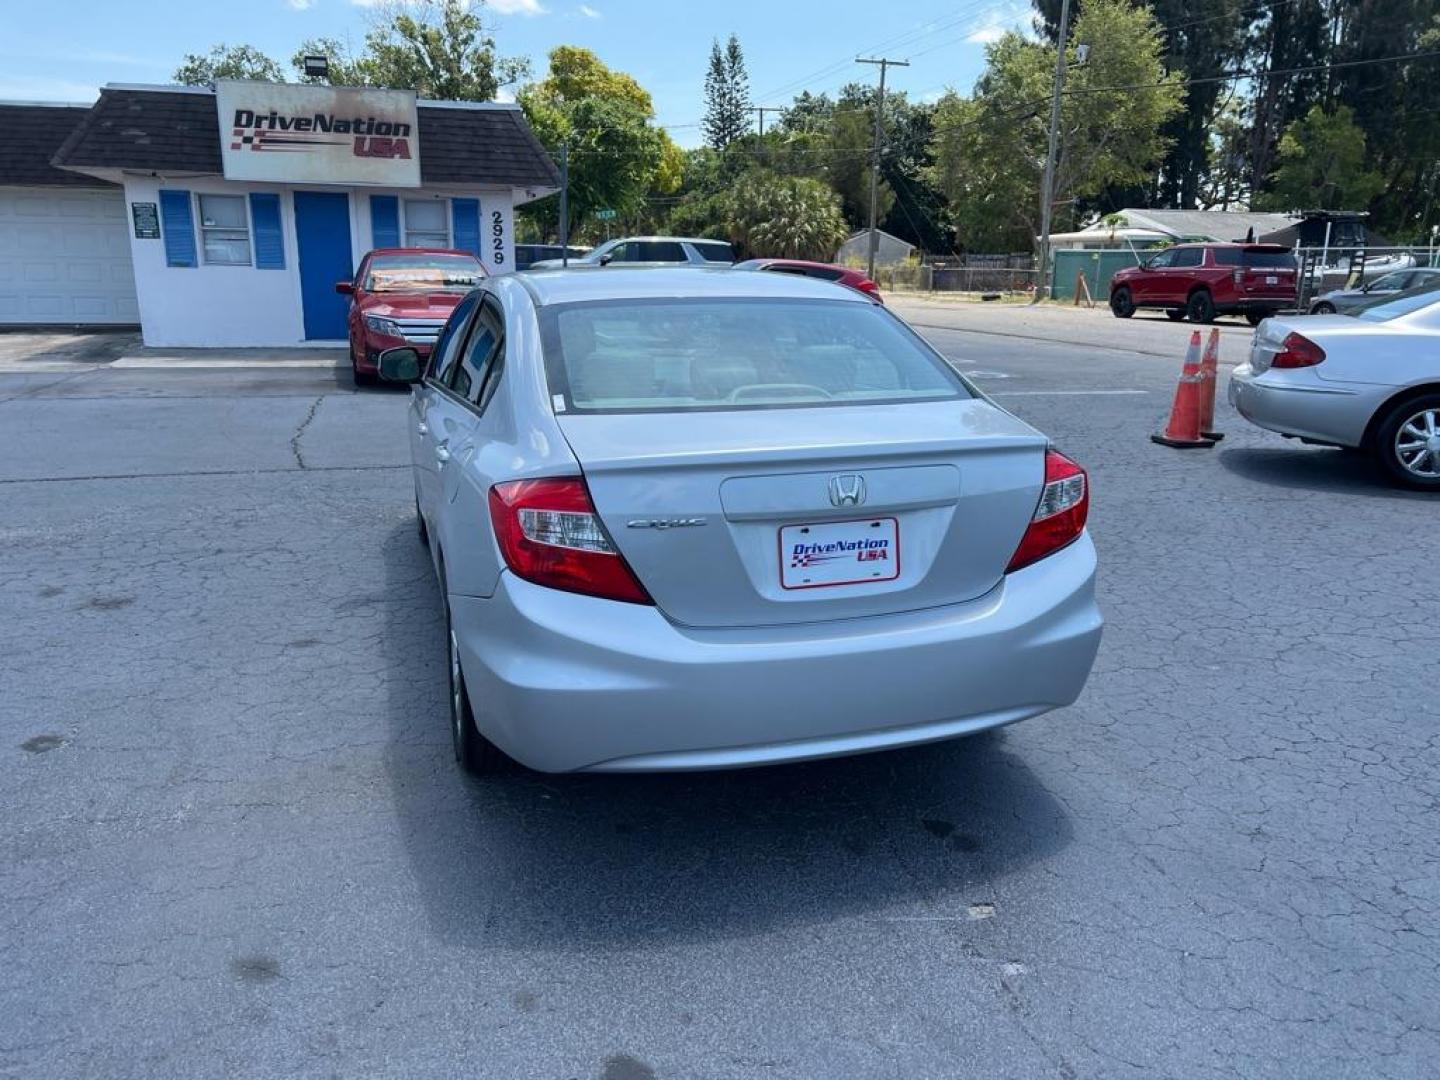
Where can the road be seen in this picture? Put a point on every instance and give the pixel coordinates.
(234, 843)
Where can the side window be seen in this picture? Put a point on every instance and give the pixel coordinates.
(659, 251)
(447, 345)
(1227, 256)
(486, 340)
(1190, 256)
(1164, 260)
(625, 253)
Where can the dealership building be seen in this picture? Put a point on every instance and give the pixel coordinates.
(225, 217)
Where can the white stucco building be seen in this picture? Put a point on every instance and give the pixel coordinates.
(241, 207)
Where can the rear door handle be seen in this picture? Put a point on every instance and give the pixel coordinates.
(422, 428)
(442, 453)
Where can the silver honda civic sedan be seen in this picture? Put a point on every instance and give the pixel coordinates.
(695, 519)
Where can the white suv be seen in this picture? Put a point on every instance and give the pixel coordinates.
(652, 251)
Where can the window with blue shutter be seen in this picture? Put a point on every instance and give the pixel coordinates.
(465, 213)
(385, 220)
(265, 220)
(177, 226)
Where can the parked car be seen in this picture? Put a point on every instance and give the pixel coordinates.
(654, 250)
(527, 255)
(402, 296)
(700, 521)
(1200, 281)
(844, 275)
(1343, 301)
(1371, 382)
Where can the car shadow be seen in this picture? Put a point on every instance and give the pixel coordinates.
(1314, 468)
(595, 862)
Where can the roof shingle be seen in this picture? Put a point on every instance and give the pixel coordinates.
(177, 131)
(32, 135)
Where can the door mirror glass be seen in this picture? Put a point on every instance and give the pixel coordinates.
(400, 365)
(344, 288)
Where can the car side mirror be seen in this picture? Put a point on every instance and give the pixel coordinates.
(345, 288)
(400, 365)
(607, 258)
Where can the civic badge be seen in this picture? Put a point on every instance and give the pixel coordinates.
(847, 489)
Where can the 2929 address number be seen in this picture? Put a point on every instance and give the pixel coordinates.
(497, 237)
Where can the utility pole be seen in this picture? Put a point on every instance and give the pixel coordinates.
(1042, 282)
(762, 110)
(565, 204)
(875, 155)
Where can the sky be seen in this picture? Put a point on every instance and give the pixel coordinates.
(64, 50)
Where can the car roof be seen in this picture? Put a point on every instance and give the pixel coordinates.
(806, 262)
(572, 286)
(676, 239)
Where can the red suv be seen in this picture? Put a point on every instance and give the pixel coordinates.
(402, 297)
(1200, 281)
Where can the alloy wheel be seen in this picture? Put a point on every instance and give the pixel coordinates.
(1417, 444)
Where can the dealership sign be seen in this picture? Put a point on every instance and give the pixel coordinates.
(318, 134)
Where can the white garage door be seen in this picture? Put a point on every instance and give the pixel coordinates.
(65, 257)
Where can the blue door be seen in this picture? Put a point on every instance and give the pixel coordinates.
(322, 235)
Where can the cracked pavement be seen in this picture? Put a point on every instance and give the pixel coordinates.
(234, 843)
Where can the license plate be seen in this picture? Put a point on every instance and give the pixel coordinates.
(839, 553)
(1272, 279)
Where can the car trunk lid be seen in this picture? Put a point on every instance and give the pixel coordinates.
(772, 516)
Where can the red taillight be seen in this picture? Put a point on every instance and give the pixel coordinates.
(550, 534)
(1060, 517)
(1297, 351)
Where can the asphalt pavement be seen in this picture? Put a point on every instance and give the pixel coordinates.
(234, 843)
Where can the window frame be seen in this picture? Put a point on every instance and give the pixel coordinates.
(203, 229)
(1194, 257)
(406, 230)
(457, 326)
(478, 394)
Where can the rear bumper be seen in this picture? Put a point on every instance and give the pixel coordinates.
(1267, 305)
(564, 682)
(1298, 402)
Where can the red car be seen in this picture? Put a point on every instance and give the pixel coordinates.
(1200, 281)
(856, 279)
(400, 297)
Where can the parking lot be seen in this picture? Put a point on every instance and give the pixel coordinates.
(235, 843)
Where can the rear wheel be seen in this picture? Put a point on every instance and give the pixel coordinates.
(1122, 303)
(1323, 308)
(1255, 318)
(1201, 306)
(476, 754)
(1407, 443)
(1175, 314)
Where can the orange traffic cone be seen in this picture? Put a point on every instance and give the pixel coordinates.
(1210, 369)
(1183, 428)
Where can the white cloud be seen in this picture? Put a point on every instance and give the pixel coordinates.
(986, 34)
(589, 12)
(517, 7)
(45, 88)
(299, 5)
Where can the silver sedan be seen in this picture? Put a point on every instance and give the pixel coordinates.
(1370, 382)
(694, 519)
(1346, 301)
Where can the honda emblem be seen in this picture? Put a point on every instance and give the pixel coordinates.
(847, 489)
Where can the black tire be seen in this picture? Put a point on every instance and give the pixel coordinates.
(1255, 318)
(1388, 431)
(1122, 304)
(476, 754)
(1175, 314)
(1201, 307)
(1324, 307)
(361, 379)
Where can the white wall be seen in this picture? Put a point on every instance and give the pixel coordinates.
(240, 306)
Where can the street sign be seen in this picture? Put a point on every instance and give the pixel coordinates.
(605, 215)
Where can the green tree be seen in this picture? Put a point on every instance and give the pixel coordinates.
(989, 149)
(727, 95)
(440, 49)
(228, 62)
(617, 156)
(346, 69)
(1321, 164)
(786, 217)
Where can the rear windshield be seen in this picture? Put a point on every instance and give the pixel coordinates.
(740, 353)
(1256, 258)
(407, 273)
(716, 252)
